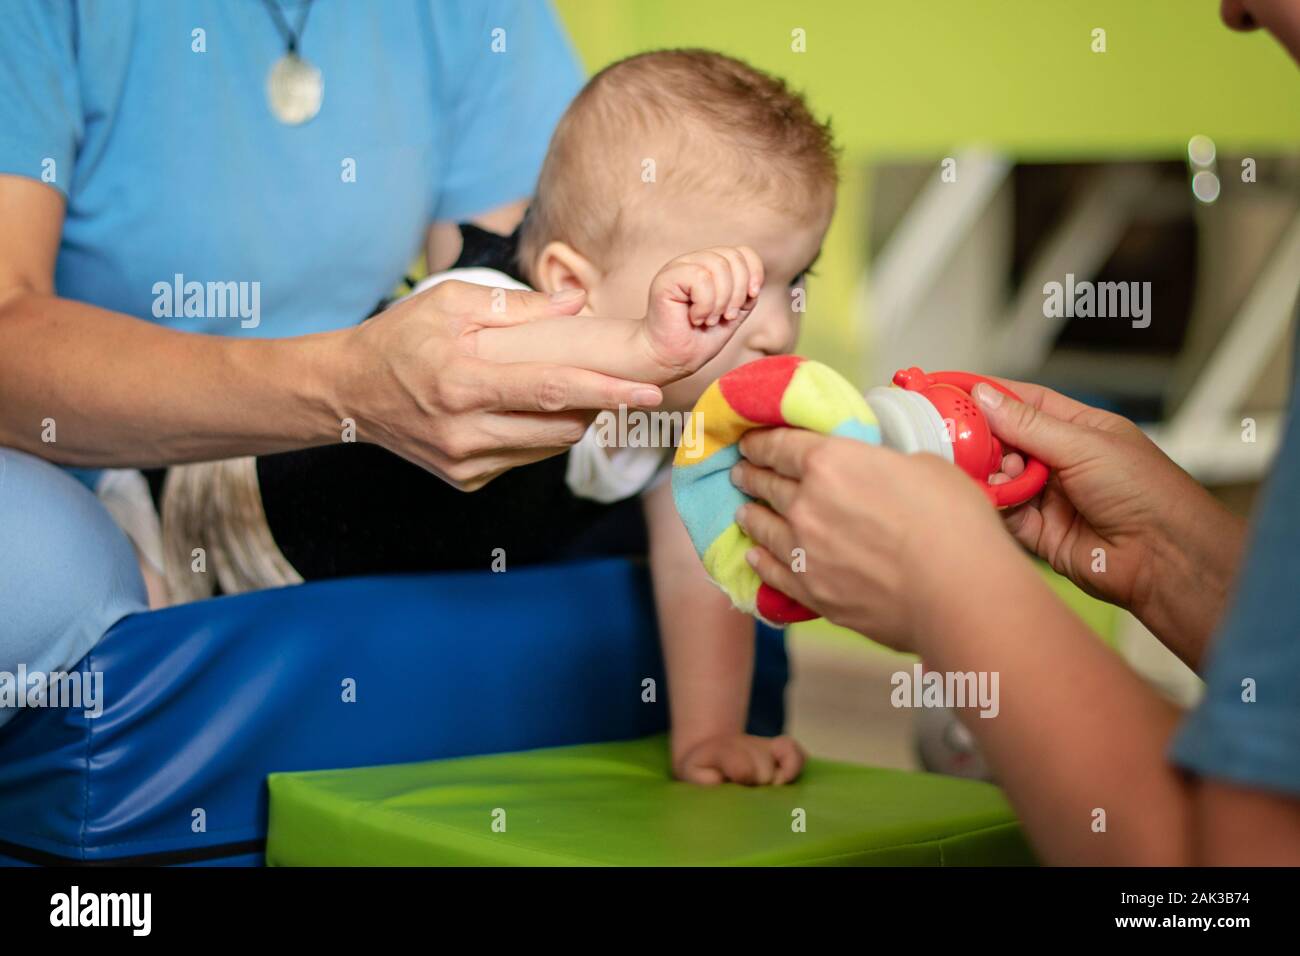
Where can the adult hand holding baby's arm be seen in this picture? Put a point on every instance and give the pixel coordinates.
(411, 380)
(696, 303)
(405, 377)
(1118, 517)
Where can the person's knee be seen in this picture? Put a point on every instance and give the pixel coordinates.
(67, 572)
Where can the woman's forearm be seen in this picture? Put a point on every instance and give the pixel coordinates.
(1079, 740)
(1192, 574)
(81, 385)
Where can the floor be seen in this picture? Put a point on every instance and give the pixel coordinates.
(839, 696)
(838, 699)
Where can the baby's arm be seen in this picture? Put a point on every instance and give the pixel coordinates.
(709, 655)
(696, 303)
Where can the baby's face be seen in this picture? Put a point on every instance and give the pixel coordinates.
(788, 243)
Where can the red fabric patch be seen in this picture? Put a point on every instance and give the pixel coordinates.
(780, 608)
(755, 389)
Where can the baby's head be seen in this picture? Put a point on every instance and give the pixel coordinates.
(666, 153)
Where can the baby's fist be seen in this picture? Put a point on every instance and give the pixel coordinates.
(710, 286)
(741, 758)
(697, 301)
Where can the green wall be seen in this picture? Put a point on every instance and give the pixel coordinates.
(921, 77)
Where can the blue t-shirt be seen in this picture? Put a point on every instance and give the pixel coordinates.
(151, 117)
(1247, 728)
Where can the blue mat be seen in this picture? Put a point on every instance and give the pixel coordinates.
(202, 701)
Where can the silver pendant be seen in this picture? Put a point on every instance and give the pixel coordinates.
(294, 88)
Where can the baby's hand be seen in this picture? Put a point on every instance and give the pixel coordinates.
(740, 758)
(697, 302)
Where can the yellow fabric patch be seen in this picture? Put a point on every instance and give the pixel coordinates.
(726, 564)
(818, 398)
(722, 427)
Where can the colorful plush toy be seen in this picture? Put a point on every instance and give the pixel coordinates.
(779, 390)
(924, 412)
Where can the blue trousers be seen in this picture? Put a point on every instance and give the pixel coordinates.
(67, 571)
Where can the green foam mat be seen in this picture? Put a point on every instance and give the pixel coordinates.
(615, 804)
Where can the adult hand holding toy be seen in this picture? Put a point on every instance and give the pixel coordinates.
(867, 521)
(1117, 517)
(904, 549)
(930, 413)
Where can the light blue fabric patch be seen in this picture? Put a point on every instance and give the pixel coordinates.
(705, 497)
(858, 430)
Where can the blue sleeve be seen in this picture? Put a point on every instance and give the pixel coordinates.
(40, 111)
(517, 75)
(1247, 728)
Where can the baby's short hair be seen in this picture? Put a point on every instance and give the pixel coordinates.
(669, 122)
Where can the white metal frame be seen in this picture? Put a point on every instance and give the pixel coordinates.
(1205, 435)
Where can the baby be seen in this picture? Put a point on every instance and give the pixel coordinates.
(684, 173)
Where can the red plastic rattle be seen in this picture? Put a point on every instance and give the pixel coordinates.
(976, 450)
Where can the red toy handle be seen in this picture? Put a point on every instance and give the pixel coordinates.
(1019, 489)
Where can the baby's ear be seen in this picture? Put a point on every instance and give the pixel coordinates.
(559, 266)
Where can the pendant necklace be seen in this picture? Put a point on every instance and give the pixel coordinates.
(294, 88)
